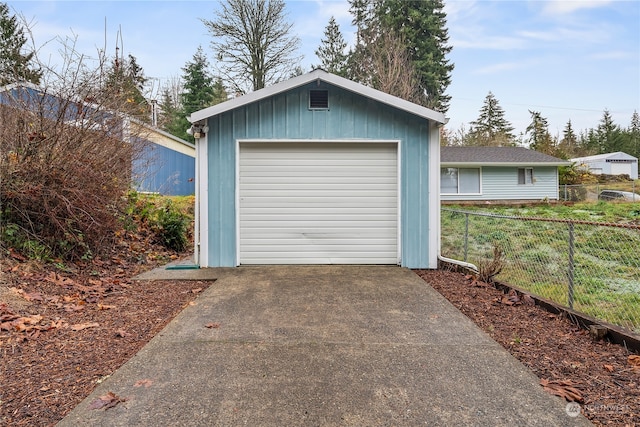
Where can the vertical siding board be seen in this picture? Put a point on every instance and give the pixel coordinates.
(279, 105)
(221, 167)
(344, 111)
(267, 119)
(415, 182)
(296, 127)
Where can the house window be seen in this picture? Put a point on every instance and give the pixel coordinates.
(460, 180)
(318, 99)
(525, 176)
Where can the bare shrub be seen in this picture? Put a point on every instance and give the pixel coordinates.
(65, 158)
(488, 269)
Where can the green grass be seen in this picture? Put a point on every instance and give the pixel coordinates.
(606, 259)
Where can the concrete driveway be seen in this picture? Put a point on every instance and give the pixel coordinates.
(321, 346)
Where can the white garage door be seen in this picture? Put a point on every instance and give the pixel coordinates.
(318, 203)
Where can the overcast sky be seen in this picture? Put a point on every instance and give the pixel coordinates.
(567, 59)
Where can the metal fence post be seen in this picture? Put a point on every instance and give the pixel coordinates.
(571, 264)
(466, 235)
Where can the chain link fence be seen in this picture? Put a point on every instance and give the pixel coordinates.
(592, 192)
(593, 268)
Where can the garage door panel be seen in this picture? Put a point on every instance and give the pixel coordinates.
(311, 203)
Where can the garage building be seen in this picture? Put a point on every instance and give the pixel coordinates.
(317, 170)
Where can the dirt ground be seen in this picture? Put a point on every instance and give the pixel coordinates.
(603, 377)
(62, 331)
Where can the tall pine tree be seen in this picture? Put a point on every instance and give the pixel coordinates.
(539, 137)
(609, 135)
(16, 65)
(124, 86)
(568, 146)
(491, 128)
(331, 51)
(199, 90)
(422, 24)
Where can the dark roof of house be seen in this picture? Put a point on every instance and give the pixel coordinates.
(497, 156)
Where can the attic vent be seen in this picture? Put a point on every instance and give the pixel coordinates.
(318, 99)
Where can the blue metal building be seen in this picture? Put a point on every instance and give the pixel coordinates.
(317, 170)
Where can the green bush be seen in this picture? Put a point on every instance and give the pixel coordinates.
(13, 236)
(171, 227)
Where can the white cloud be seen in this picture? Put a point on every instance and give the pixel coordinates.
(563, 34)
(499, 68)
(614, 54)
(477, 39)
(562, 7)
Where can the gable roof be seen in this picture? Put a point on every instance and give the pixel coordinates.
(497, 156)
(619, 155)
(319, 75)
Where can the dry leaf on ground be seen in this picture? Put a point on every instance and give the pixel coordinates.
(107, 401)
(563, 388)
(146, 383)
(80, 326)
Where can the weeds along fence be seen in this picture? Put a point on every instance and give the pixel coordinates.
(591, 267)
(590, 192)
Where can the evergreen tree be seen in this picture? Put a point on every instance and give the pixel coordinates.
(331, 52)
(609, 135)
(568, 146)
(540, 139)
(199, 90)
(491, 128)
(171, 114)
(422, 25)
(124, 86)
(634, 135)
(15, 64)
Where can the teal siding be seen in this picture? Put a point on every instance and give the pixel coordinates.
(350, 116)
(501, 183)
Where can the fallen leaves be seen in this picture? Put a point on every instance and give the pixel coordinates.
(634, 361)
(108, 401)
(563, 388)
(31, 296)
(14, 322)
(212, 325)
(510, 298)
(81, 326)
(146, 383)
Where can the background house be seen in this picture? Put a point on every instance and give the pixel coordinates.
(618, 163)
(497, 174)
(317, 170)
(165, 164)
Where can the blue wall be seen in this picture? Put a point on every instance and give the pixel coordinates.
(286, 116)
(162, 170)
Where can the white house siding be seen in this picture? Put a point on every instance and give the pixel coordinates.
(501, 183)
